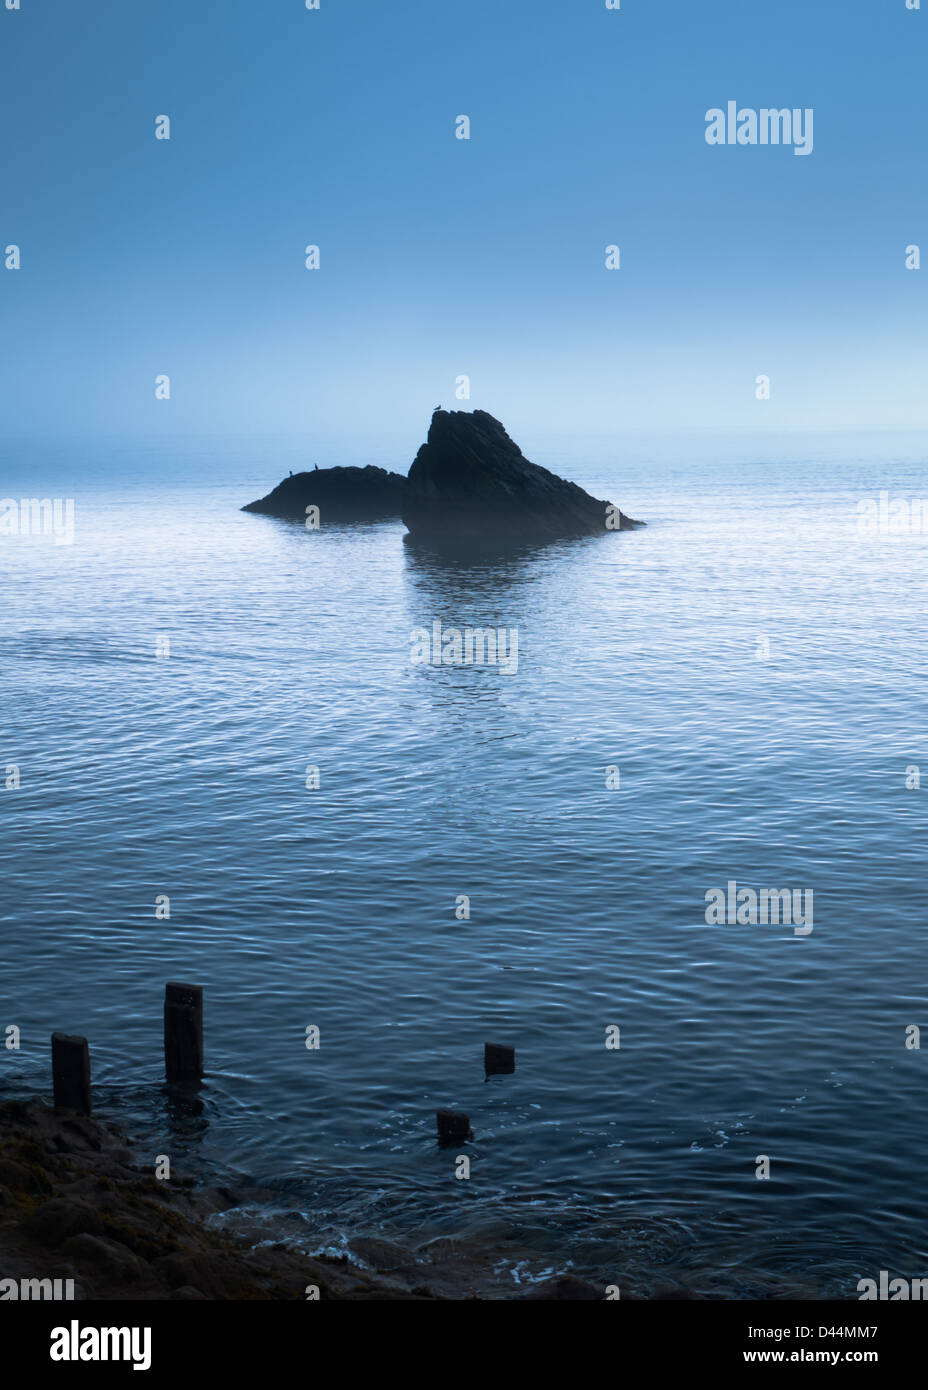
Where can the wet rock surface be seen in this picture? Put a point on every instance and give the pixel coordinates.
(79, 1207)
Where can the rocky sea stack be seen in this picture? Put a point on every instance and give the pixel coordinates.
(341, 494)
(468, 483)
(470, 480)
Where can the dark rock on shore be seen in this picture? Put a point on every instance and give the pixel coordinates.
(341, 494)
(470, 480)
(74, 1205)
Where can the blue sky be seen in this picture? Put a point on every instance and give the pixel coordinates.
(442, 257)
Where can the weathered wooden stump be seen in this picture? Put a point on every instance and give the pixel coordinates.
(183, 1033)
(71, 1073)
(499, 1060)
(453, 1127)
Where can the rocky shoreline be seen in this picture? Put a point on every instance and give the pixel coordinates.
(75, 1205)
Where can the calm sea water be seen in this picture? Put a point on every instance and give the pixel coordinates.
(336, 906)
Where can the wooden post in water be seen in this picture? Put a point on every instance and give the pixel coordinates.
(453, 1127)
(498, 1060)
(183, 1032)
(71, 1073)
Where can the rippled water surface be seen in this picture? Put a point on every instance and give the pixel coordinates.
(336, 906)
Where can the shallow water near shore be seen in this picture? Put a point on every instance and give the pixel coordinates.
(335, 906)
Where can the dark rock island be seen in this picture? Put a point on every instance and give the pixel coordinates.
(341, 494)
(471, 480)
(468, 482)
